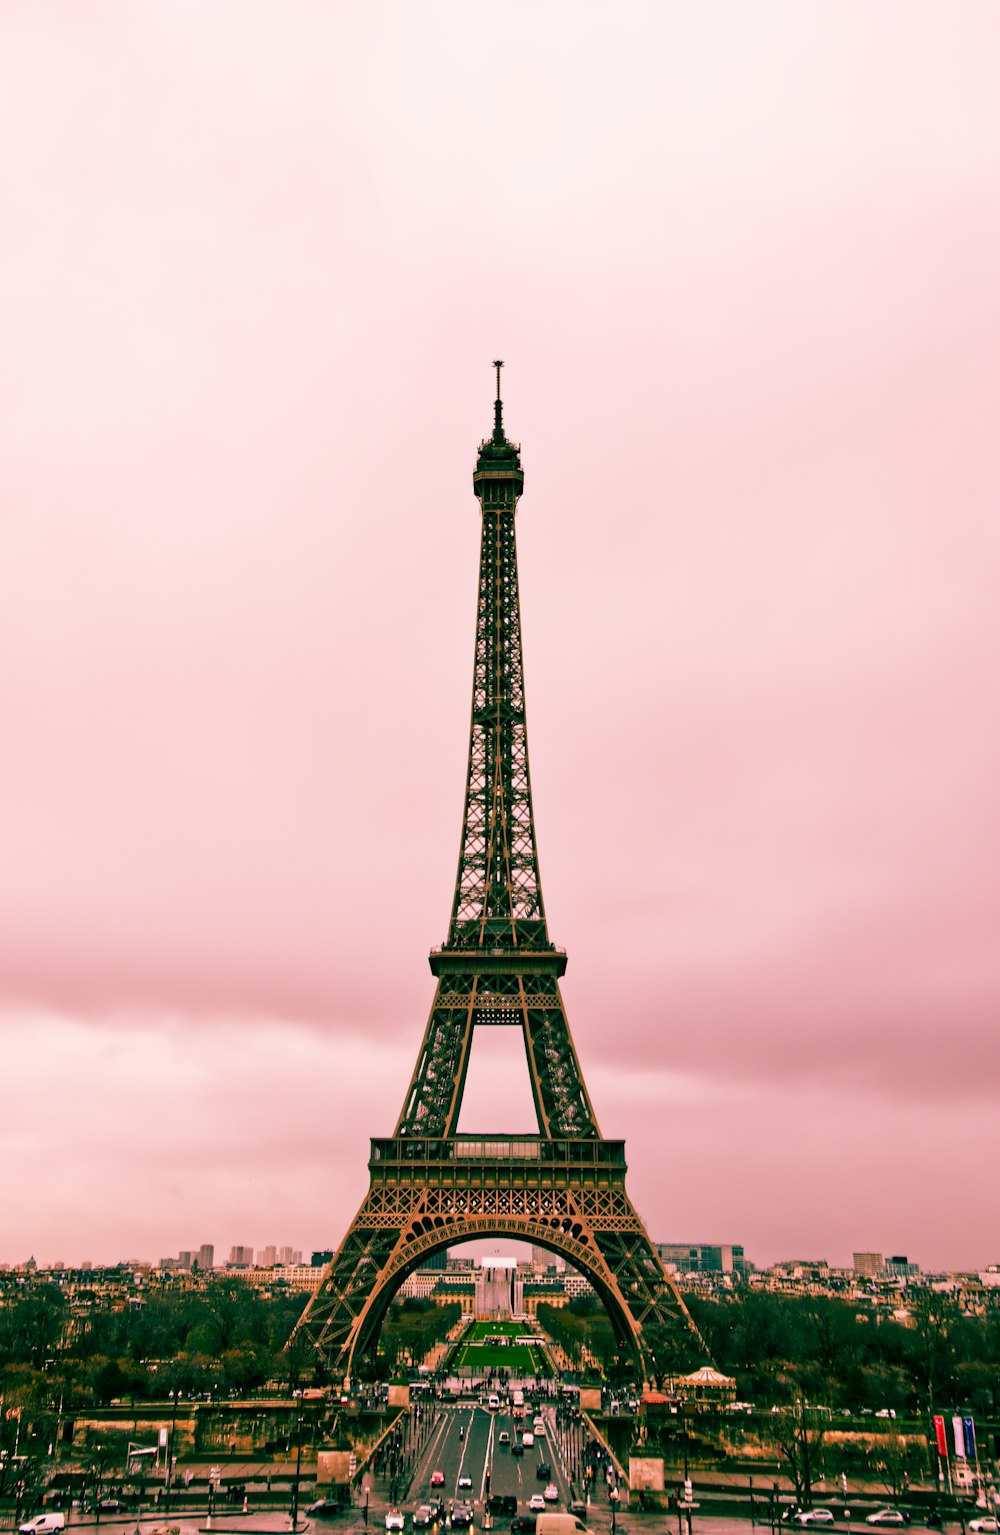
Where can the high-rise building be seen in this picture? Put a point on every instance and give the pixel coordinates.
(319, 1260)
(206, 1256)
(185, 1259)
(267, 1257)
(241, 1257)
(703, 1258)
(869, 1264)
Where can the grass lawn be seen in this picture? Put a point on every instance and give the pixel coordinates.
(475, 1353)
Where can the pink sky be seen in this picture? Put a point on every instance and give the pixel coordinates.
(742, 263)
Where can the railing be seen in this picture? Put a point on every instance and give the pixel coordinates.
(500, 1148)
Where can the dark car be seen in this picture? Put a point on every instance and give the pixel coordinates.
(325, 1508)
(509, 1503)
(461, 1516)
(423, 1517)
(543, 1471)
(523, 1524)
(517, 1448)
(578, 1508)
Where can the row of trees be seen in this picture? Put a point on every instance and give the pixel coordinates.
(226, 1338)
(839, 1353)
(836, 1352)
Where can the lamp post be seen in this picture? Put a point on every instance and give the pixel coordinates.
(170, 1447)
(298, 1467)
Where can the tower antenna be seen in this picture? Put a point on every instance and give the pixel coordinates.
(498, 406)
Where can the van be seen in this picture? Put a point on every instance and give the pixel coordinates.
(43, 1524)
(560, 1524)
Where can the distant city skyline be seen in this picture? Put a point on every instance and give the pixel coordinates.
(520, 1252)
(741, 262)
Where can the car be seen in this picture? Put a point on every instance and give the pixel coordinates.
(551, 1493)
(461, 1516)
(437, 1478)
(985, 1526)
(578, 1508)
(464, 1481)
(424, 1517)
(543, 1471)
(517, 1448)
(503, 1437)
(888, 1516)
(523, 1524)
(509, 1503)
(527, 1439)
(325, 1508)
(111, 1505)
(540, 1427)
(814, 1516)
(394, 1520)
(536, 1503)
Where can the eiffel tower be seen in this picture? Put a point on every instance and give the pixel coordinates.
(564, 1188)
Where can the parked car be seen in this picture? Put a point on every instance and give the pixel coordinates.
(325, 1508)
(888, 1516)
(985, 1526)
(536, 1503)
(814, 1516)
(45, 1524)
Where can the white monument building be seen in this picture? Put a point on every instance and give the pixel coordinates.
(499, 1292)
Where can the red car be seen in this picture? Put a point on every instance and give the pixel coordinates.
(437, 1478)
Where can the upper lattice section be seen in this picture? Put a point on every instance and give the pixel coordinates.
(498, 894)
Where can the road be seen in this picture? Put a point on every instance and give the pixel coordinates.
(466, 1443)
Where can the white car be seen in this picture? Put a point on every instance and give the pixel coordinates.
(394, 1520)
(527, 1439)
(536, 1503)
(551, 1493)
(814, 1516)
(464, 1481)
(888, 1516)
(985, 1526)
(503, 1437)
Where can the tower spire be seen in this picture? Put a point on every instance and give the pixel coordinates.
(498, 436)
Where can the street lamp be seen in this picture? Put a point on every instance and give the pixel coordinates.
(298, 1467)
(170, 1447)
